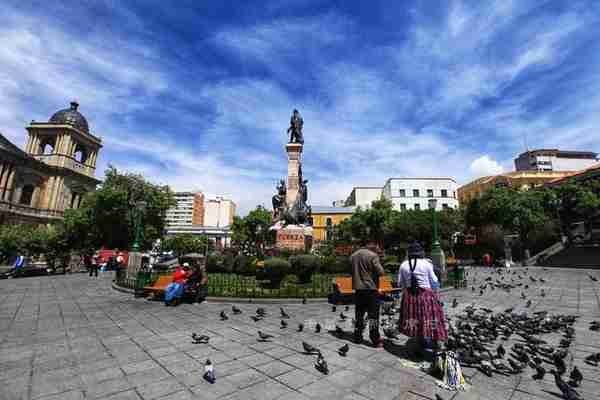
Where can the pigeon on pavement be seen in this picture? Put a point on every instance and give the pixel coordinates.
(344, 350)
(264, 336)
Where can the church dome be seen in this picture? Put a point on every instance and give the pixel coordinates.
(70, 116)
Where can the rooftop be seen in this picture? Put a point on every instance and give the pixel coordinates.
(332, 210)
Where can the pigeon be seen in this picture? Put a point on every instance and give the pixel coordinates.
(472, 288)
(333, 308)
(576, 377)
(543, 293)
(528, 304)
(235, 310)
(559, 363)
(593, 359)
(304, 300)
(501, 351)
(486, 369)
(347, 308)
(283, 313)
(539, 373)
(256, 318)
(309, 349)
(593, 278)
(454, 303)
(224, 316)
(300, 327)
(209, 372)
(339, 332)
(317, 328)
(283, 324)
(200, 339)
(261, 311)
(342, 316)
(344, 350)
(264, 336)
(481, 292)
(517, 367)
(321, 365)
(567, 391)
(594, 326)
(438, 397)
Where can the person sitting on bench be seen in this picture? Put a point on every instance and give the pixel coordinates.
(198, 282)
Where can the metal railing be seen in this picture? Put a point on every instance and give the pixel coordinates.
(231, 285)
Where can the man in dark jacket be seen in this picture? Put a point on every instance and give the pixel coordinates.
(366, 270)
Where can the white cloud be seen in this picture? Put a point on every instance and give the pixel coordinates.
(485, 166)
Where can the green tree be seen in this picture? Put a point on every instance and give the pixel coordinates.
(252, 232)
(185, 243)
(11, 241)
(108, 212)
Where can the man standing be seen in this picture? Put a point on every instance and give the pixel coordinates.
(366, 270)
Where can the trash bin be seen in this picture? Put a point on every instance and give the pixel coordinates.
(142, 278)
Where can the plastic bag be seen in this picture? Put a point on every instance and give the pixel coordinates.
(173, 291)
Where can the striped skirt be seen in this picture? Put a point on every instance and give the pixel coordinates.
(422, 315)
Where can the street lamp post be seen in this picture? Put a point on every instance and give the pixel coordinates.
(437, 253)
(140, 208)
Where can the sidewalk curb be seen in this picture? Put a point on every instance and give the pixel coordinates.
(255, 300)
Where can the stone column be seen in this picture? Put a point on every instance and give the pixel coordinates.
(9, 185)
(294, 151)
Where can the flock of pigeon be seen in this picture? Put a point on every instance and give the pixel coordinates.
(261, 313)
(477, 335)
(475, 332)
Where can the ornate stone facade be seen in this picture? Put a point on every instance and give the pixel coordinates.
(53, 173)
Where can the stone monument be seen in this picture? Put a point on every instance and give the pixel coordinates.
(291, 211)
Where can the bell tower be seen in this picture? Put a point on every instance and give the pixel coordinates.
(65, 142)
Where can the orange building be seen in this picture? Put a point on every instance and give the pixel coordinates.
(523, 180)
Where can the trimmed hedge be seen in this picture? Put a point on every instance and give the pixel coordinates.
(275, 270)
(304, 265)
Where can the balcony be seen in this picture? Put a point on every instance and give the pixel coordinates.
(29, 212)
(61, 160)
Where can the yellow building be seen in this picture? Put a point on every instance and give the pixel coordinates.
(52, 174)
(523, 180)
(325, 218)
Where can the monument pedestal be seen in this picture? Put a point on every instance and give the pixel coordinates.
(294, 238)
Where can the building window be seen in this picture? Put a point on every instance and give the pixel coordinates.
(402, 207)
(429, 192)
(402, 193)
(26, 195)
(417, 206)
(415, 192)
(444, 193)
(445, 206)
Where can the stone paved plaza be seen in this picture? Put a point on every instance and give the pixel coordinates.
(70, 337)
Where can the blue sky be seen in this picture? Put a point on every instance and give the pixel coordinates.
(198, 94)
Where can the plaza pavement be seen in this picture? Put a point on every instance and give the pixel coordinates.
(71, 337)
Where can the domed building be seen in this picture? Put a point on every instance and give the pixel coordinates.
(54, 171)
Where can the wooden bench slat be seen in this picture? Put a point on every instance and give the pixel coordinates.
(161, 283)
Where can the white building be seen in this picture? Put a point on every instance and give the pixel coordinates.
(555, 160)
(415, 193)
(218, 212)
(363, 196)
(188, 211)
(221, 237)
